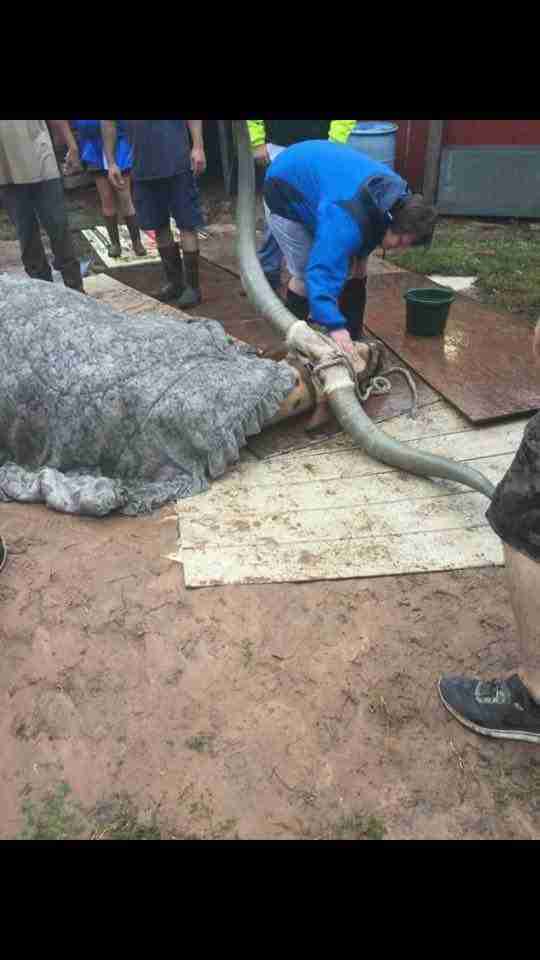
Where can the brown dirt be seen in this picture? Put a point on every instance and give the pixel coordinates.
(269, 711)
(272, 711)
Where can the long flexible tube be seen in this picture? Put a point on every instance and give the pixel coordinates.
(298, 335)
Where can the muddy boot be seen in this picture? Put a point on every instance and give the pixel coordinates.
(192, 293)
(71, 275)
(174, 274)
(115, 249)
(352, 304)
(297, 305)
(135, 236)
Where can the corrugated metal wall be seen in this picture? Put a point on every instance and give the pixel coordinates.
(412, 140)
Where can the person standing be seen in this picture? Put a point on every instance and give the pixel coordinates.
(508, 708)
(34, 195)
(114, 202)
(165, 166)
(268, 138)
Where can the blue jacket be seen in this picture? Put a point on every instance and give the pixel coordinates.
(343, 198)
(91, 145)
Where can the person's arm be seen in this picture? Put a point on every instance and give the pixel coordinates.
(108, 135)
(64, 131)
(198, 159)
(337, 240)
(257, 137)
(340, 130)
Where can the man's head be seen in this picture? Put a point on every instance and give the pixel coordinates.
(413, 223)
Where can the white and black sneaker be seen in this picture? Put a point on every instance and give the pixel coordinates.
(494, 708)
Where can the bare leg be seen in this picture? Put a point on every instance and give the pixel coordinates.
(190, 241)
(108, 208)
(523, 576)
(123, 198)
(107, 196)
(127, 211)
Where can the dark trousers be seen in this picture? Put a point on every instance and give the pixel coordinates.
(31, 204)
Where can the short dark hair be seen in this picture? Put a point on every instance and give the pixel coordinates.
(413, 215)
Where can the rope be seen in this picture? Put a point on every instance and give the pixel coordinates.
(376, 385)
(380, 384)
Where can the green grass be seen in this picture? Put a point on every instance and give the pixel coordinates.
(59, 817)
(356, 826)
(504, 257)
(201, 742)
(351, 826)
(56, 818)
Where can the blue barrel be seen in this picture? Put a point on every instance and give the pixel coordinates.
(375, 138)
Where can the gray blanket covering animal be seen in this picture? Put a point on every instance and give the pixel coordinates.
(100, 411)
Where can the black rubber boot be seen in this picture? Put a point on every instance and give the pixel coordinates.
(174, 274)
(71, 275)
(297, 305)
(192, 293)
(135, 236)
(352, 304)
(115, 250)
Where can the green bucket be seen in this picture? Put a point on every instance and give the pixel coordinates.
(427, 310)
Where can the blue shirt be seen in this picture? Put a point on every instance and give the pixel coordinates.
(91, 145)
(161, 148)
(343, 198)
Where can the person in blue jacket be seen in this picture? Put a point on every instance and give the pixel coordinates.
(114, 202)
(328, 207)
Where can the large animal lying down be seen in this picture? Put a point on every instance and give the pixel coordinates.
(100, 411)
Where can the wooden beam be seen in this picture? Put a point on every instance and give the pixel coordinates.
(433, 159)
(226, 158)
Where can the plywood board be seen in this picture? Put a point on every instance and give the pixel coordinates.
(125, 299)
(333, 512)
(483, 365)
(269, 562)
(99, 240)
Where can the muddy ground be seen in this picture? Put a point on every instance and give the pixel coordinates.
(134, 708)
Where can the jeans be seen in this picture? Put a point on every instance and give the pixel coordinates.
(32, 204)
(270, 256)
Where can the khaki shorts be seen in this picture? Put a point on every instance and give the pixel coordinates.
(514, 512)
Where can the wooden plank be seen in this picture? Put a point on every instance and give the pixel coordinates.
(385, 485)
(125, 299)
(467, 445)
(483, 365)
(226, 154)
(233, 529)
(433, 159)
(372, 557)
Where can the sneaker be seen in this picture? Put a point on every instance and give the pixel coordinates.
(494, 708)
(189, 298)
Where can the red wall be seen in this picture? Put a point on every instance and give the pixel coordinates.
(412, 136)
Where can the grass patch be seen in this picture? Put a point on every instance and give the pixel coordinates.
(201, 742)
(356, 826)
(247, 652)
(57, 818)
(352, 826)
(519, 783)
(122, 823)
(505, 257)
